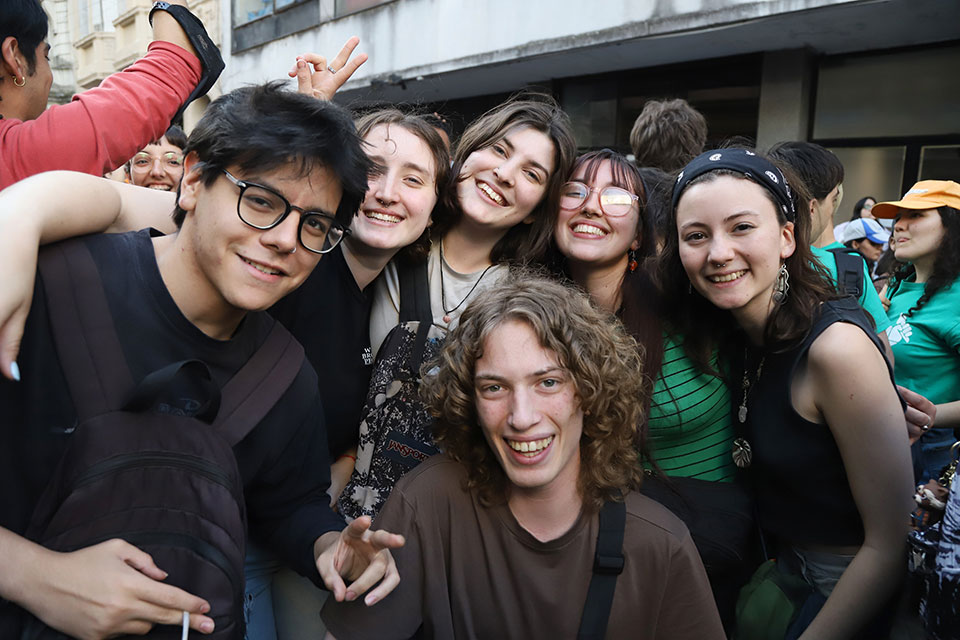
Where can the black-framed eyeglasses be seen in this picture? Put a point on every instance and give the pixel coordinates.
(263, 208)
(614, 201)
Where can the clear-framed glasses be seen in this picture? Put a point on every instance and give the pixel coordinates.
(614, 201)
(143, 161)
(263, 208)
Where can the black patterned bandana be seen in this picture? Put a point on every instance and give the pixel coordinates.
(744, 161)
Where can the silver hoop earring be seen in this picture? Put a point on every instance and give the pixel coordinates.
(782, 286)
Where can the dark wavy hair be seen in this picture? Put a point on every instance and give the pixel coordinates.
(264, 127)
(601, 358)
(704, 326)
(818, 168)
(26, 21)
(523, 242)
(946, 263)
(421, 127)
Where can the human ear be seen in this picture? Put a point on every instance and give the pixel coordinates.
(11, 57)
(788, 242)
(191, 183)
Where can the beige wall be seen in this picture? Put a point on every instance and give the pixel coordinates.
(123, 39)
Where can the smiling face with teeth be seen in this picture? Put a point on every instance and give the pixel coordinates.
(732, 244)
(500, 185)
(158, 166)
(528, 408)
(587, 237)
(220, 267)
(398, 202)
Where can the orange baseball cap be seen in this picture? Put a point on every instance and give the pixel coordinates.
(926, 194)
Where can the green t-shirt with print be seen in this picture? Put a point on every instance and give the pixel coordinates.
(926, 344)
(869, 298)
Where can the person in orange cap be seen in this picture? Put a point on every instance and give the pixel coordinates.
(924, 298)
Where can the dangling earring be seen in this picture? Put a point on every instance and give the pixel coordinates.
(631, 260)
(782, 285)
(23, 81)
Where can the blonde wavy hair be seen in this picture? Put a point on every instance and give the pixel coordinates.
(605, 364)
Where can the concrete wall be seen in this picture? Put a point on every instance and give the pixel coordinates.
(416, 39)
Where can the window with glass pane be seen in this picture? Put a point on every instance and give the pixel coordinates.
(869, 171)
(249, 10)
(245, 11)
(344, 7)
(940, 163)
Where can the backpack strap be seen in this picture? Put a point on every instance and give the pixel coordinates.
(415, 306)
(607, 565)
(849, 271)
(83, 332)
(253, 391)
(414, 292)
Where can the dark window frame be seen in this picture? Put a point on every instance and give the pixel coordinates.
(303, 15)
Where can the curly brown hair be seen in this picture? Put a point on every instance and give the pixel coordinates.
(604, 362)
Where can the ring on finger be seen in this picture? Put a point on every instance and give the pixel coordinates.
(925, 427)
(330, 70)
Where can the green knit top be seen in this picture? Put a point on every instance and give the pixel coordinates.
(691, 429)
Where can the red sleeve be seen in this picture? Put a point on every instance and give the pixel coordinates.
(102, 128)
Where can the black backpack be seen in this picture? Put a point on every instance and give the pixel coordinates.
(849, 271)
(395, 425)
(164, 482)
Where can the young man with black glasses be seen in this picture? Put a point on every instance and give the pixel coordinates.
(271, 181)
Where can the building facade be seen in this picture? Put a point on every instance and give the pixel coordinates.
(874, 80)
(91, 39)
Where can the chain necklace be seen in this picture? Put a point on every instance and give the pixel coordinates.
(742, 451)
(443, 291)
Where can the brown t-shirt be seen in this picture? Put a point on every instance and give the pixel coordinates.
(469, 571)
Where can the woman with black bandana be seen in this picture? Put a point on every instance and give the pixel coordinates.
(815, 387)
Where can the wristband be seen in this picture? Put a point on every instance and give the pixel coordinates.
(208, 53)
(347, 455)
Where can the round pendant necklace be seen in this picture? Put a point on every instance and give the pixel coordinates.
(742, 451)
(443, 289)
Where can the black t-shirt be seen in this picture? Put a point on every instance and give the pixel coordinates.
(330, 316)
(283, 461)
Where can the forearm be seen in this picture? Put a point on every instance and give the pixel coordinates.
(21, 561)
(167, 29)
(948, 415)
(35, 211)
(861, 593)
(340, 472)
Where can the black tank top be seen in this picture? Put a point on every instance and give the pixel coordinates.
(803, 495)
